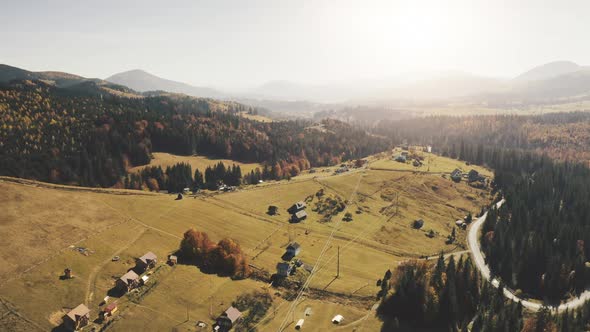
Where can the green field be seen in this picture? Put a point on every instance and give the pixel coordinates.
(42, 222)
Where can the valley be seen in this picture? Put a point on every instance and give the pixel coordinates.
(109, 225)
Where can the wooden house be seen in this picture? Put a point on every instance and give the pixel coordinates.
(293, 249)
(128, 281)
(146, 261)
(77, 318)
(228, 319)
(284, 269)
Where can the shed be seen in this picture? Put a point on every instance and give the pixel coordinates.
(109, 310)
(77, 318)
(172, 259)
(299, 216)
(284, 269)
(299, 324)
(337, 319)
(128, 281)
(147, 261)
(293, 249)
(68, 273)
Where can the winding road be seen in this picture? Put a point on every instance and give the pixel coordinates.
(473, 243)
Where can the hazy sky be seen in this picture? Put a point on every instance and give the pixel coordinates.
(244, 43)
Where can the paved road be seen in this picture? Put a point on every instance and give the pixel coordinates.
(472, 241)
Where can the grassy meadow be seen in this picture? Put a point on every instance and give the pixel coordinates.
(40, 224)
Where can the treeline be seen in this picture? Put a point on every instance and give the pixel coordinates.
(539, 240)
(562, 136)
(92, 137)
(180, 176)
(450, 296)
(447, 298)
(224, 258)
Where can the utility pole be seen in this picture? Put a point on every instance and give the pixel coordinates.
(338, 264)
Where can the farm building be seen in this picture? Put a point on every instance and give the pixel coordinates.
(172, 260)
(77, 318)
(456, 175)
(293, 249)
(146, 261)
(128, 281)
(228, 319)
(299, 324)
(297, 207)
(284, 269)
(299, 216)
(474, 175)
(401, 158)
(418, 223)
(109, 310)
(337, 319)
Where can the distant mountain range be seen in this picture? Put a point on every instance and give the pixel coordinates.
(143, 81)
(554, 82)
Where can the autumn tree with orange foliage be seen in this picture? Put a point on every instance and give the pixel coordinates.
(225, 257)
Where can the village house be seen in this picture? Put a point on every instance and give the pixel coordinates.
(299, 216)
(77, 318)
(284, 269)
(401, 158)
(293, 249)
(456, 175)
(128, 281)
(473, 176)
(297, 207)
(228, 319)
(146, 261)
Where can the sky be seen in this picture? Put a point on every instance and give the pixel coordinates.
(245, 43)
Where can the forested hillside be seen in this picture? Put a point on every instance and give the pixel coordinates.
(563, 136)
(85, 135)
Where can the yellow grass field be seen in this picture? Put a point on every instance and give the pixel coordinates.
(39, 224)
(197, 162)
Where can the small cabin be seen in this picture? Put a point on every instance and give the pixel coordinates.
(456, 175)
(227, 320)
(293, 249)
(401, 158)
(146, 261)
(284, 269)
(128, 281)
(77, 318)
(299, 216)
